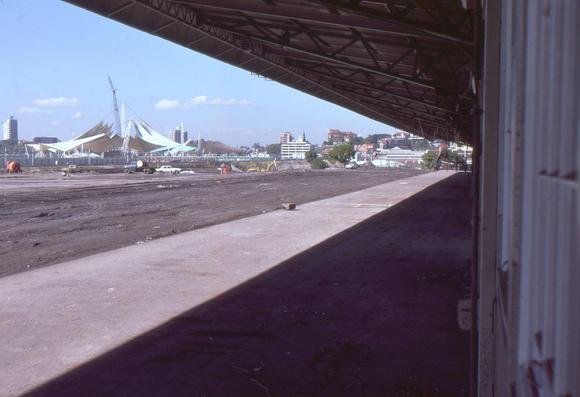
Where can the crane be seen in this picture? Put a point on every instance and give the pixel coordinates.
(126, 130)
(117, 125)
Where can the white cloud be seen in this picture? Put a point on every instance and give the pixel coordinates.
(55, 122)
(77, 115)
(57, 101)
(198, 100)
(165, 104)
(204, 100)
(34, 110)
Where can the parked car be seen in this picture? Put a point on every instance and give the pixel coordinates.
(70, 169)
(168, 169)
(138, 166)
(351, 165)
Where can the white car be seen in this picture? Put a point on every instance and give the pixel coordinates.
(167, 169)
(351, 165)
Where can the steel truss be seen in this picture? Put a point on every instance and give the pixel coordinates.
(408, 63)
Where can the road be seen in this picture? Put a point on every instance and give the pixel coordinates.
(49, 219)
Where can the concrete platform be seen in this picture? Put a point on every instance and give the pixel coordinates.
(326, 300)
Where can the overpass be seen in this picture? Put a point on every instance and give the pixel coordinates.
(500, 75)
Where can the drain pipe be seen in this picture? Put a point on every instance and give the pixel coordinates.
(475, 192)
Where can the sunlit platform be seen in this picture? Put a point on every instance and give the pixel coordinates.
(354, 295)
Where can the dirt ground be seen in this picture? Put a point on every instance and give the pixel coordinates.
(48, 218)
(369, 312)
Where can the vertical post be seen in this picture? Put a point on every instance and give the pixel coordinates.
(488, 197)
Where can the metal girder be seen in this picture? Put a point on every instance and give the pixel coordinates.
(370, 87)
(189, 18)
(385, 65)
(120, 9)
(354, 7)
(268, 40)
(346, 91)
(337, 21)
(334, 59)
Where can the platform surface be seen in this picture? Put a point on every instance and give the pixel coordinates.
(338, 297)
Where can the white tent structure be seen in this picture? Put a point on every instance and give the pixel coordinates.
(145, 139)
(131, 137)
(101, 139)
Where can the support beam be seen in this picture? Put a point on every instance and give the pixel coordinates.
(488, 212)
(354, 8)
(328, 57)
(336, 21)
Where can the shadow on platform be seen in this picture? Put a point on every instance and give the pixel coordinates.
(369, 312)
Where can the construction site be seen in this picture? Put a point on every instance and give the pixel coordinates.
(53, 219)
(213, 277)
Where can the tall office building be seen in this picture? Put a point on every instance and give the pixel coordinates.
(179, 134)
(10, 129)
(295, 150)
(175, 135)
(286, 137)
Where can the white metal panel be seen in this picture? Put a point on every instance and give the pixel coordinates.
(538, 284)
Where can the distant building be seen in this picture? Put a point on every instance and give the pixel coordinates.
(286, 137)
(401, 135)
(325, 150)
(179, 134)
(334, 136)
(295, 150)
(384, 143)
(397, 157)
(175, 135)
(365, 148)
(10, 130)
(338, 136)
(45, 139)
(400, 139)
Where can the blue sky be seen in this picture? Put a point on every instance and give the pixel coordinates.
(53, 79)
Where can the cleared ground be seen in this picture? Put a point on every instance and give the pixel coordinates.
(48, 218)
(340, 298)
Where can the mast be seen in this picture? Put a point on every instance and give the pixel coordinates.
(117, 125)
(125, 130)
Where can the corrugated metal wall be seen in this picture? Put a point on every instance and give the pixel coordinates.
(536, 313)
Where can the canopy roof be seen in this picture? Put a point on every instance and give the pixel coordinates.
(407, 63)
(101, 139)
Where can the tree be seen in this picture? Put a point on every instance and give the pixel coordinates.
(453, 159)
(258, 147)
(374, 138)
(428, 160)
(420, 144)
(357, 140)
(309, 156)
(318, 164)
(342, 153)
(273, 148)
